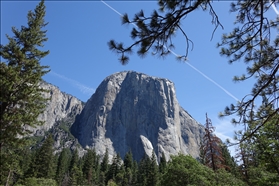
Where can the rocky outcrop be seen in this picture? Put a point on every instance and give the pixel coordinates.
(133, 111)
(60, 113)
(59, 106)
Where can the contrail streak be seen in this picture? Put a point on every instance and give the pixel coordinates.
(201, 73)
(83, 88)
(274, 8)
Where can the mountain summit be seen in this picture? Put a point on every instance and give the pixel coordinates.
(137, 112)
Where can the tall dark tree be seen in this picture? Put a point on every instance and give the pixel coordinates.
(212, 153)
(21, 99)
(229, 161)
(114, 168)
(43, 164)
(128, 160)
(153, 173)
(143, 170)
(129, 169)
(89, 165)
(104, 168)
(163, 164)
(254, 40)
(75, 169)
(62, 166)
(105, 162)
(74, 160)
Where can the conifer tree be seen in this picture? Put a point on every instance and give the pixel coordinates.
(75, 170)
(10, 167)
(104, 168)
(210, 148)
(163, 164)
(62, 166)
(21, 99)
(105, 162)
(129, 168)
(153, 175)
(144, 166)
(114, 167)
(74, 160)
(43, 164)
(128, 160)
(88, 170)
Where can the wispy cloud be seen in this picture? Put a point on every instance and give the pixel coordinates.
(225, 130)
(83, 88)
(176, 55)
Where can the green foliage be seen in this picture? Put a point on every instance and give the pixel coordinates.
(128, 160)
(38, 182)
(43, 164)
(258, 155)
(181, 170)
(89, 166)
(156, 31)
(163, 164)
(114, 168)
(10, 166)
(148, 173)
(62, 166)
(105, 163)
(252, 42)
(21, 99)
(185, 170)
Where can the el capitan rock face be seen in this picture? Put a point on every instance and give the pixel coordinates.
(133, 111)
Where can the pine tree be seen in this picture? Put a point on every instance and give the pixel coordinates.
(258, 156)
(104, 168)
(114, 167)
(21, 99)
(74, 160)
(105, 162)
(45, 159)
(144, 170)
(129, 168)
(210, 148)
(88, 169)
(75, 169)
(163, 164)
(229, 162)
(153, 175)
(128, 160)
(43, 164)
(62, 166)
(10, 166)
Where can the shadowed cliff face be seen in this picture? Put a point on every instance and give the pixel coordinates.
(130, 110)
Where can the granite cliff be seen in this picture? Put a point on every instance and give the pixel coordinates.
(60, 113)
(137, 112)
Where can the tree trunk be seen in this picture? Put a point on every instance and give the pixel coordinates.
(8, 178)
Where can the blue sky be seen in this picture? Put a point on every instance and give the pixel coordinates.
(79, 57)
